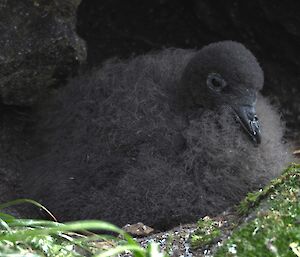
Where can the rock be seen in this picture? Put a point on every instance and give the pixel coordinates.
(297, 153)
(39, 48)
(175, 242)
(13, 148)
(138, 229)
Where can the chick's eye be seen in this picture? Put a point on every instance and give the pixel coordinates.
(215, 82)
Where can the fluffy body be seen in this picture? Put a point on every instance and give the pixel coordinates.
(116, 145)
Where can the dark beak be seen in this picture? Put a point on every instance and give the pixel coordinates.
(246, 115)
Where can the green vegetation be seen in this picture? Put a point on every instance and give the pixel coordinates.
(39, 238)
(253, 199)
(274, 228)
(207, 232)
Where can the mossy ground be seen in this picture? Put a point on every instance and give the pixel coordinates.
(273, 229)
(208, 230)
(266, 223)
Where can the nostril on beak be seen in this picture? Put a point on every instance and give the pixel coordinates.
(251, 114)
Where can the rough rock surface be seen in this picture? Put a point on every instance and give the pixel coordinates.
(39, 47)
(14, 122)
(270, 29)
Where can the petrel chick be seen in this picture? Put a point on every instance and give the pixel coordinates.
(164, 138)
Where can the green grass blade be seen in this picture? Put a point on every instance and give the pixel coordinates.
(5, 225)
(21, 201)
(122, 249)
(70, 226)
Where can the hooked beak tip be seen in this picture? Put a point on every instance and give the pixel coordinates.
(247, 117)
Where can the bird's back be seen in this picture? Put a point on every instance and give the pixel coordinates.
(113, 145)
(120, 117)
